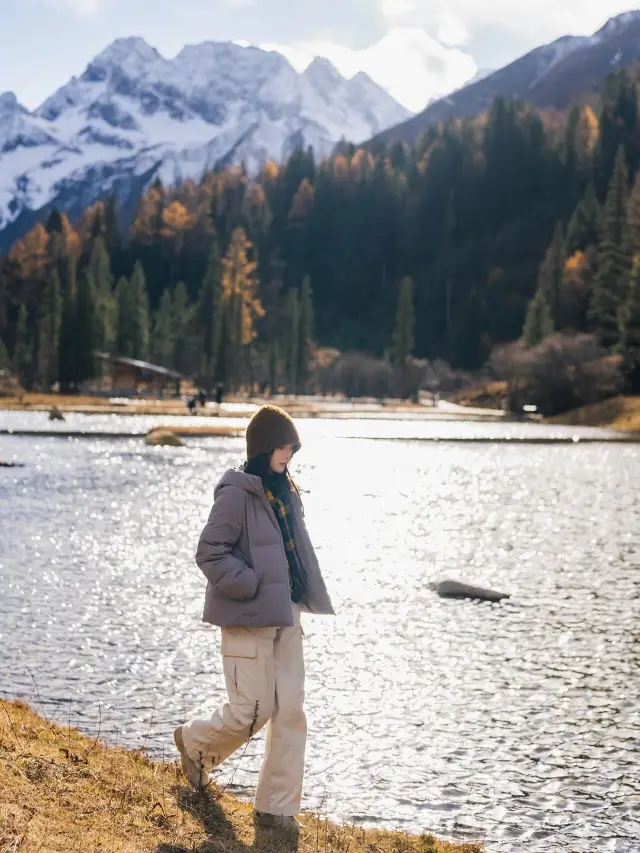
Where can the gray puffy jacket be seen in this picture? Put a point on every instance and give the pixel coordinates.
(242, 555)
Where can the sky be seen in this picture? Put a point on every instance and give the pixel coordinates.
(416, 49)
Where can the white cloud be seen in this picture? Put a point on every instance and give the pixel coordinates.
(538, 20)
(451, 31)
(407, 62)
(397, 8)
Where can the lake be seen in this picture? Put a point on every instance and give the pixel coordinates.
(518, 723)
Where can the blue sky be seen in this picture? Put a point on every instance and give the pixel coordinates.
(417, 49)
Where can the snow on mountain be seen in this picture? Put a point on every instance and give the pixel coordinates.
(549, 76)
(134, 115)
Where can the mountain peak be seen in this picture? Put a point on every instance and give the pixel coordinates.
(122, 48)
(124, 56)
(9, 104)
(323, 73)
(618, 23)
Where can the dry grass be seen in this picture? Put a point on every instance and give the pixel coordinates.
(621, 413)
(62, 792)
(484, 395)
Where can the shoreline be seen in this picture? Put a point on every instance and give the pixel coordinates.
(62, 791)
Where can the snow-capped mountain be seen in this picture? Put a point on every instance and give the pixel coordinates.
(550, 76)
(133, 116)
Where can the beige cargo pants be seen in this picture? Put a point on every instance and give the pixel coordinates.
(264, 674)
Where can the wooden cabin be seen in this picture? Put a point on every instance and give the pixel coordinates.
(130, 376)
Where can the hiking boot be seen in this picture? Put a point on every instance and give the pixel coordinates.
(287, 823)
(196, 775)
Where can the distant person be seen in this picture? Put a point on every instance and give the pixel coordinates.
(202, 398)
(191, 405)
(219, 393)
(257, 514)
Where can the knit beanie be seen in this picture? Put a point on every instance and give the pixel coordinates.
(269, 429)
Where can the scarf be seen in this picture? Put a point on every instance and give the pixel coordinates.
(283, 509)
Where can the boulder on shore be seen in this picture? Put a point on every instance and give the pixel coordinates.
(55, 414)
(457, 589)
(163, 438)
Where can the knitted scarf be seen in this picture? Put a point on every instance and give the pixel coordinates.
(283, 509)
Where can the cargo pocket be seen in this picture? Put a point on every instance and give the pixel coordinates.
(243, 676)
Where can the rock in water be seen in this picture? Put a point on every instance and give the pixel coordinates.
(163, 438)
(457, 589)
(55, 414)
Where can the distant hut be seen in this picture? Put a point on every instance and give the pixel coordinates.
(130, 376)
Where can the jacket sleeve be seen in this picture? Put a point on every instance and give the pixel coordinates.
(228, 573)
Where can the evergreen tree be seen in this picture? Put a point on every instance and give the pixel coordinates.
(552, 272)
(54, 222)
(162, 342)
(305, 334)
(105, 308)
(629, 347)
(403, 341)
(67, 367)
(125, 311)
(209, 306)
(181, 328)
(584, 226)
(49, 331)
(140, 318)
(23, 350)
(633, 218)
(613, 259)
(85, 364)
(273, 366)
(292, 339)
(539, 321)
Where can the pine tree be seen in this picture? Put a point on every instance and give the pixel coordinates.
(105, 309)
(180, 329)
(49, 331)
(633, 218)
(124, 318)
(4, 355)
(132, 336)
(140, 318)
(273, 366)
(67, 367)
(629, 347)
(292, 339)
(584, 226)
(403, 340)
(305, 334)
(539, 321)
(85, 366)
(552, 272)
(23, 350)
(613, 259)
(209, 306)
(162, 336)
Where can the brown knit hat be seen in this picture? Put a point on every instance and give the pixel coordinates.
(269, 429)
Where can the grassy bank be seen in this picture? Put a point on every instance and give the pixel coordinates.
(62, 792)
(622, 413)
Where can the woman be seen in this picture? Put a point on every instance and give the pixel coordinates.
(262, 572)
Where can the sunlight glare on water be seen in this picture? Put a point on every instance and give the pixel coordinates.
(515, 722)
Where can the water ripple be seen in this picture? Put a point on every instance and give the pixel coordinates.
(518, 723)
